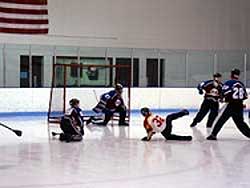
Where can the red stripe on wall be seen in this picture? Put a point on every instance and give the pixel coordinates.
(23, 11)
(23, 21)
(30, 2)
(24, 31)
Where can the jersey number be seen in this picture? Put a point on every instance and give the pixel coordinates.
(158, 121)
(238, 93)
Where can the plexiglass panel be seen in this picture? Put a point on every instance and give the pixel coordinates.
(13, 54)
(146, 53)
(48, 53)
(200, 67)
(174, 70)
(228, 60)
(120, 52)
(92, 52)
(66, 50)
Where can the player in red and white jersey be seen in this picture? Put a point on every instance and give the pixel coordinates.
(156, 124)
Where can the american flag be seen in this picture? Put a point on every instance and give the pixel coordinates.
(24, 16)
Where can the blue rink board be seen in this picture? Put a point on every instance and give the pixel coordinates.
(90, 113)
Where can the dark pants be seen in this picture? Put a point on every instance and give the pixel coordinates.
(234, 110)
(204, 109)
(167, 132)
(70, 133)
(122, 115)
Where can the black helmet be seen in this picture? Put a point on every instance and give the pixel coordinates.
(145, 111)
(235, 73)
(217, 75)
(73, 102)
(119, 87)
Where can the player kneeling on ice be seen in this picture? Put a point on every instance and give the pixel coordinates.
(72, 123)
(110, 103)
(154, 123)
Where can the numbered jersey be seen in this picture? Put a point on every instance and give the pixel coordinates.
(111, 100)
(234, 91)
(154, 123)
(212, 89)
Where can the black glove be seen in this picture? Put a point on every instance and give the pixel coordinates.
(123, 107)
(145, 138)
(200, 91)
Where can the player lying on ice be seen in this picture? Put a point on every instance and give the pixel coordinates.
(156, 124)
(72, 123)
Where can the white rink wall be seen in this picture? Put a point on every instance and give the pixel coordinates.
(165, 24)
(37, 99)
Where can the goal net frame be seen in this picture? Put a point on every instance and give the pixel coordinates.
(95, 90)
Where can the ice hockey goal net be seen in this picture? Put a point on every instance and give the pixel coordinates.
(86, 82)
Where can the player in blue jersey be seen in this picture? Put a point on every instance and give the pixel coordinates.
(234, 93)
(210, 103)
(72, 123)
(110, 103)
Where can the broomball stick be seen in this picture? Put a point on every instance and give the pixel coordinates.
(17, 132)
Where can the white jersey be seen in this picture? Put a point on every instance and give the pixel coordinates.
(157, 123)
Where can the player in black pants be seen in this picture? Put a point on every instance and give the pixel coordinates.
(234, 93)
(72, 123)
(156, 124)
(210, 103)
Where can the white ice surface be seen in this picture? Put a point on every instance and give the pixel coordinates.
(114, 157)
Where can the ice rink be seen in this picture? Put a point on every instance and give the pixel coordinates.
(113, 156)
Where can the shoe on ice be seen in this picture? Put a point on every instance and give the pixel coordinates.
(211, 137)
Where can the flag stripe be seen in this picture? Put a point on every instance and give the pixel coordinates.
(29, 2)
(24, 16)
(22, 6)
(23, 31)
(22, 21)
(25, 26)
(22, 11)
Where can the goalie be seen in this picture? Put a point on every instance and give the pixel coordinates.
(72, 123)
(156, 124)
(110, 103)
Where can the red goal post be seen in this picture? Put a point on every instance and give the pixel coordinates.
(86, 82)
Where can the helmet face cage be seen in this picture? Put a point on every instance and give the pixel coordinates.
(118, 88)
(145, 111)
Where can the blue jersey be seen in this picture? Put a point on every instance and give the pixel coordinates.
(212, 89)
(234, 91)
(110, 100)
